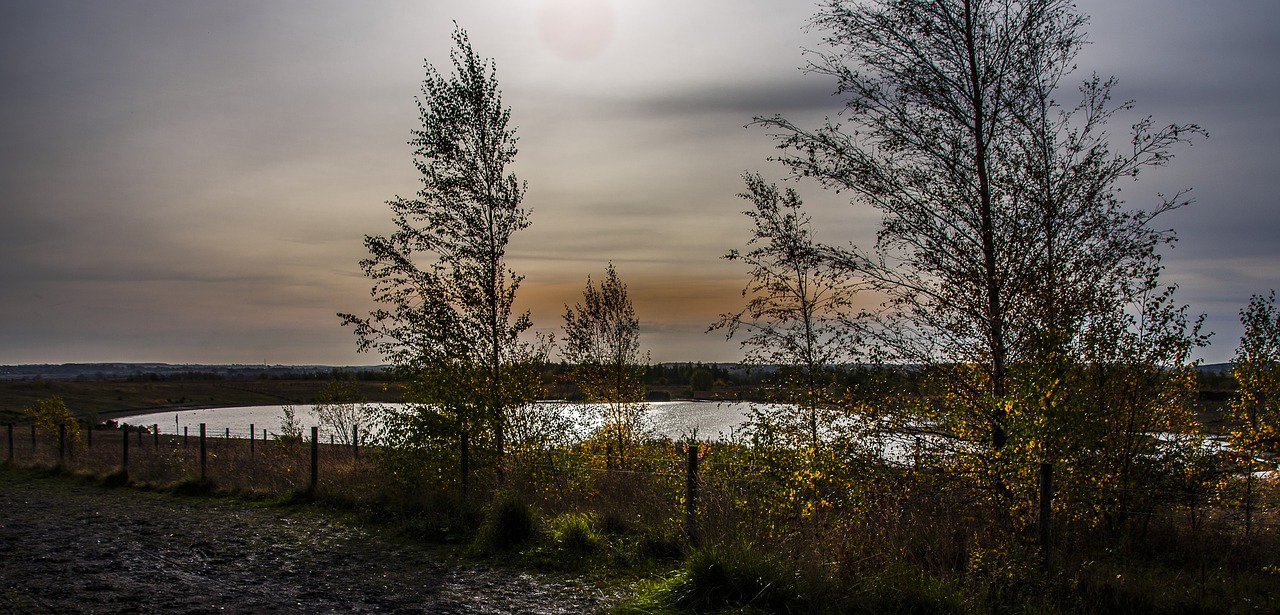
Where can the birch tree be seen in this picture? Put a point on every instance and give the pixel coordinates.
(795, 318)
(1002, 233)
(602, 342)
(442, 279)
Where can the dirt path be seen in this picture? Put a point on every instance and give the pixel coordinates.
(67, 547)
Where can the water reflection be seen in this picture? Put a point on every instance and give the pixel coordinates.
(677, 419)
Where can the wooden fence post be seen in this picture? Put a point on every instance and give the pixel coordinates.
(691, 494)
(155, 435)
(355, 441)
(203, 459)
(315, 457)
(1046, 509)
(228, 434)
(252, 437)
(184, 436)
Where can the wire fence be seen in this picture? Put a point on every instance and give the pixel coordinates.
(700, 490)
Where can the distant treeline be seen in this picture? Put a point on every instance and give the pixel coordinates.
(157, 372)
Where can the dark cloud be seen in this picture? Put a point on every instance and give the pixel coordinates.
(744, 101)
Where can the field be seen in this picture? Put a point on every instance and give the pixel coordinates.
(104, 399)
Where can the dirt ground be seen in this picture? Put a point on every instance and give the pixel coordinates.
(70, 547)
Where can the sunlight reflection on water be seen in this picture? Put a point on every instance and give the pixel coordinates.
(677, 419)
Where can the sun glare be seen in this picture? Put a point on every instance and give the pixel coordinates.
(576, 30)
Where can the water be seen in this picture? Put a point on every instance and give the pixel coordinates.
(676, 419)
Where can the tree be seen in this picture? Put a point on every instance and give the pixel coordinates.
(447, 321)
(1002, 235)
(1256, 407)
(602, 341)
(797, 308)
(52, 415)
(340, 408)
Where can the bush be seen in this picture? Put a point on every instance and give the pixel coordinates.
(576, 532)
(719, 578)
(509, 523)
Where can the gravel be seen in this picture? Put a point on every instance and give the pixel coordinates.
(72, 547)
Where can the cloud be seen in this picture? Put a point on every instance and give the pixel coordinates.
(182, 180)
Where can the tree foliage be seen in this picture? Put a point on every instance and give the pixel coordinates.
(341, 409)
(446, 320)
(796, 319)
(1021, 287)
(52, 416)
(602, 341)
(1256, 368)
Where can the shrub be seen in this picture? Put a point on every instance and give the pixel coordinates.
(718, 578)
(51, 414)
(575, 532)
(508, 523)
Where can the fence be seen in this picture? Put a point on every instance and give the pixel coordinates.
(253, 463)
(257, 461)
(706, 493)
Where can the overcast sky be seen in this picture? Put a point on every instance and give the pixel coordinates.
(191, 181)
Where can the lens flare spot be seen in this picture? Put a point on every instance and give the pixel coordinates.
(576, 30)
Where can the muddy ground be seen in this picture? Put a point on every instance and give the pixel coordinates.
(72, 547)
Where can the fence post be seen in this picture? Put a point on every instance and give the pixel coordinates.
(355, 441)
(228, 435)
(691, 494)
(315, 457)
(155, 434)
(203, 460)
(124, 450)
(1046, 508)
(252, 437)
(465, 465)
(184, 436)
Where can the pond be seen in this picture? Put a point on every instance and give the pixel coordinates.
(676, 419)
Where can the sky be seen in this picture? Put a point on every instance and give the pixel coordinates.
(187, 181)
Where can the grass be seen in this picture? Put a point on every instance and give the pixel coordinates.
(895, 552)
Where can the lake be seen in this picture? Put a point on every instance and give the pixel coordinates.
(676, 419)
